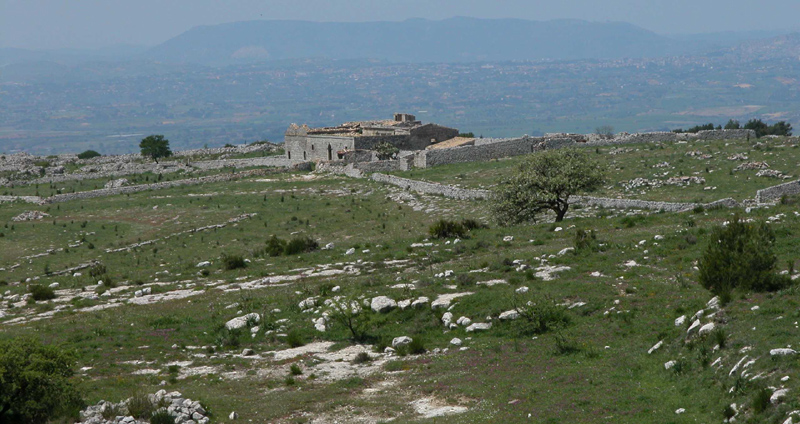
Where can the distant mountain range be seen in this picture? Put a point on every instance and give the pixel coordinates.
(414, 40)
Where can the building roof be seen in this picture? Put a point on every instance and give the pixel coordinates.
(453, 142)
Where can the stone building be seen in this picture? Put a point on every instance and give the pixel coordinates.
(331, 143)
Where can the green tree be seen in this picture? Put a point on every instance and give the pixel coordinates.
(733, 125)
(386, 150)
(155, 147)
(88, 154)
(605, 131)
(740, 256)
(35, 384)
(545, 181)
(758, 126)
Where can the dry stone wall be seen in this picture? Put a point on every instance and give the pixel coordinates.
(773, 193)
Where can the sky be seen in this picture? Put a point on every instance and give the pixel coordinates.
(52, 24)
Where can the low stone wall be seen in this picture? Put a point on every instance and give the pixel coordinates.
(26, 199)
(725, 135)
(270, 161)
(609, 203)
(103, 192)
(481, 152)
(773, 193)
(382, 166)
(432, 188)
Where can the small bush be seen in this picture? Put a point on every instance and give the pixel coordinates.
(289, 381)
(140, 406)
(471, 224)
(97, 270)
(40, 292)
(362, 358)
(585, 240)
(295, 339)
(112, 410)
(761, 400)
(299, 245)
(417, 346)
(295, 370)
(88, 154)
(447, 229)
(740, 256)
(464, 280)
(564, 346)
(230, 262)
(162, 416)
(393, 366)
(229, 339)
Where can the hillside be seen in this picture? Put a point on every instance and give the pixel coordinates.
(416, 40)
(184, 288)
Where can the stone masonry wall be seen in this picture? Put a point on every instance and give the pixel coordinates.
(775, 192)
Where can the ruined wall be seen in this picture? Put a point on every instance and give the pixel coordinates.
(270, 161)
(432, 188)
(775, 192)
(369, 142)
(103, 192)
(725, 135)
(482, 152)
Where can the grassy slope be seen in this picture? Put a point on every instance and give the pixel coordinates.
(503, 376)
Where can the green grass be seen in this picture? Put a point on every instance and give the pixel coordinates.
(640, 161)
(565, 374)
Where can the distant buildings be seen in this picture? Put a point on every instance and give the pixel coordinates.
(330, 143)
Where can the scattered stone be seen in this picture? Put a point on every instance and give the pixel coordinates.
(350, 251)
(203, 264)
(233, 415)
(479, 326)
(655, 347)
(447, 318)
(566, 250)
(670, 364)
(30, 216)
(680, 320)
(248, 352)
(508, 238)
(693, 327)
(382, 304)
(420, 302)
(491, 283)
(455, 341)
(509, 315)
(522, 290)
(706, 329)
(777, 395)
(444, 300)
(680, 411)
(782, 352)
(401, 341)
(241, 322)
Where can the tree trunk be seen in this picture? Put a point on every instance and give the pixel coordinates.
(561, 212)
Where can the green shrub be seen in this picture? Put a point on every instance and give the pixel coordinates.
(585, 240)
(417, 346)
(471, 224)
(761, 400)
(88, 154)
(294, 339)
(36, 384)
(295, 370)
(112, 410)
(275, 246)
(740, 256)
(230, 262)
(361, 358)
(299, 245)
(162, 416)
(447, 229)
(540, 316)
(40, 292)
(140, 406)
(97, 270)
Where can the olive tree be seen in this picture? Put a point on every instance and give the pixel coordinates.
(386, 150)
(544, 182)
(35, 382)
(155, 147)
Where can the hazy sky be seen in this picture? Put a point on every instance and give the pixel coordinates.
(98, 23)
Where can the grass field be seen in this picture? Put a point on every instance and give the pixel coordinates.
(611, 303)
(708, 160)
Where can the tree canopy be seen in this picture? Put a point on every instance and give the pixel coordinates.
(544, 182)
(35, 384)
(155, 147)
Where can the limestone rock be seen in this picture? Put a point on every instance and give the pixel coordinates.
(382, 304)
(401, 341)
(479, 326)
(241, 322)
